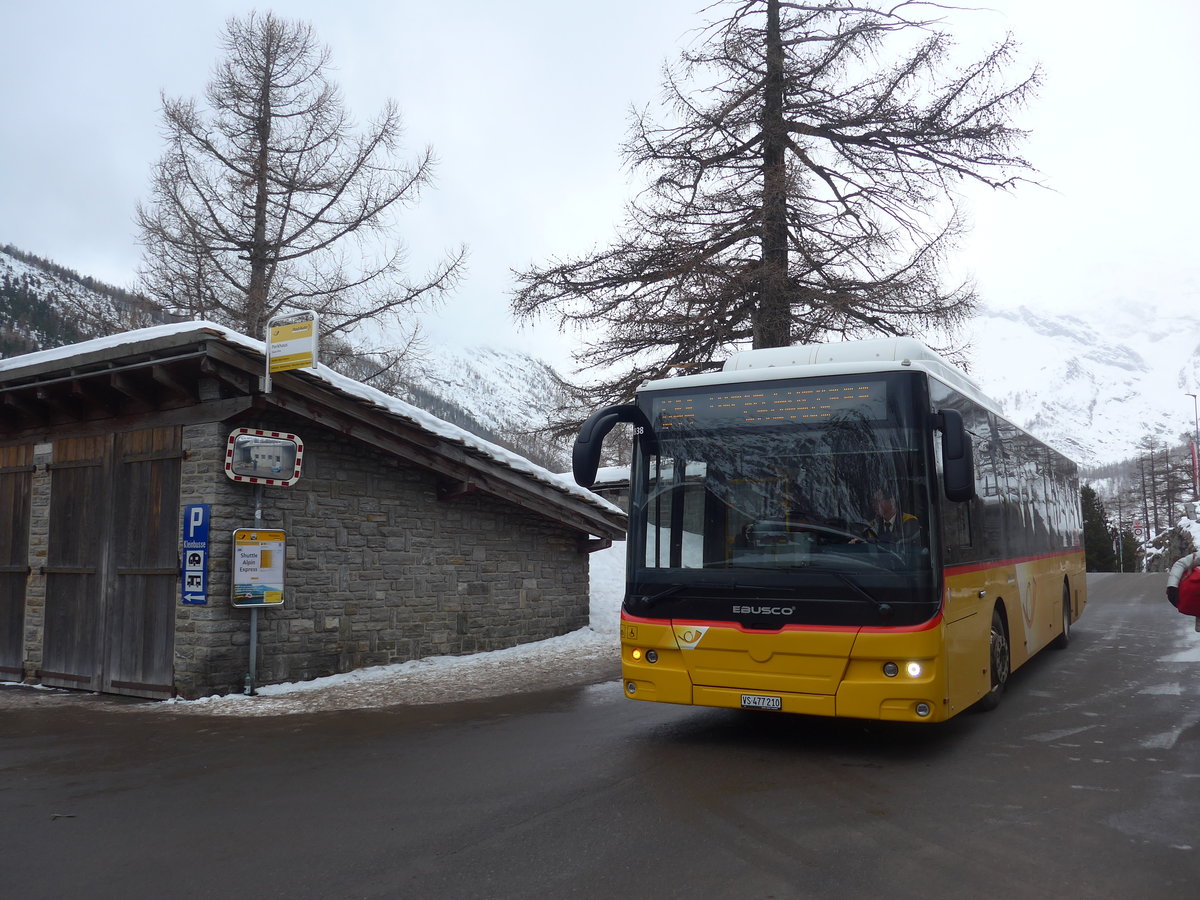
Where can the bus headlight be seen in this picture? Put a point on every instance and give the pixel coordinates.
(631, 687)
(651, 656)
(923, 710)
(911, 669)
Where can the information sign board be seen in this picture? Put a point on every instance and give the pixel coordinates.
(258, 557)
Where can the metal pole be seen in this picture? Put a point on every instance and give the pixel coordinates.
(253, 647)
(251, 678)
(1195, 448)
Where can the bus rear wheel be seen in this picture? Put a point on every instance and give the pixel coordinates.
(999, 661)
(1063, 639)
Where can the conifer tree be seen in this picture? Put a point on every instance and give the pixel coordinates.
(1100, 555)
(802, 188)
(268, 201)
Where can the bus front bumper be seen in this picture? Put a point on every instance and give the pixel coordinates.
(840, 674)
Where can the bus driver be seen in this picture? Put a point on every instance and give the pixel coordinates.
(890, 525)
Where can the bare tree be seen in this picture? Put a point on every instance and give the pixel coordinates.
(805, 191)
(269, 202)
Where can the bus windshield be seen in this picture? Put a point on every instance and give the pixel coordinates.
(818, 475)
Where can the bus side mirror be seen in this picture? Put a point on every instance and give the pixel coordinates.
(585, 455)
(958, 462)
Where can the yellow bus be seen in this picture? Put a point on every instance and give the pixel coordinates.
(848, 529)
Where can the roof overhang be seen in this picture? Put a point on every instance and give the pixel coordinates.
(197, 372)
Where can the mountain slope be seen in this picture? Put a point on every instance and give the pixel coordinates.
(1093, 388)
(44, 305)
(502, 395)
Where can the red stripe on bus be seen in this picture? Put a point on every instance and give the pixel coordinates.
(1001, 563)
(715, 623)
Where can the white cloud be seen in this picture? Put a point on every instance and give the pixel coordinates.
(526, 105)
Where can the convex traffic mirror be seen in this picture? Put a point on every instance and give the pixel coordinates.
(264, 457)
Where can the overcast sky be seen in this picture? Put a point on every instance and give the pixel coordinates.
(526, 102)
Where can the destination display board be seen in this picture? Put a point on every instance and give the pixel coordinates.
(773, 404)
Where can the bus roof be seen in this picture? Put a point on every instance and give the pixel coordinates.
(839, 358)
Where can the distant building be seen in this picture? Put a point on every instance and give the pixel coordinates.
(403, 537)
(612, 483)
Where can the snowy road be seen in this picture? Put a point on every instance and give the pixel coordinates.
(1082, 784)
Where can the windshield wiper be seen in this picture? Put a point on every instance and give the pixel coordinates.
(885, 609)
(651, 599)
(648, 600)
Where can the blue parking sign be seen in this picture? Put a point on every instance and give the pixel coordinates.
(194, 577)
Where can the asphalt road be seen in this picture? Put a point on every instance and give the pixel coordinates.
(1084, 783)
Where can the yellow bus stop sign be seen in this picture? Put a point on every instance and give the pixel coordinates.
(293, 346)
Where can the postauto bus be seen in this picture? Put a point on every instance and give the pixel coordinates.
(846, 529)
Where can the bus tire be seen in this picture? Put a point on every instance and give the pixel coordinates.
(999, 662)
(1061, 642)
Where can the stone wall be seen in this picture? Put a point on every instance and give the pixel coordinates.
(39, 542)
(379, 570)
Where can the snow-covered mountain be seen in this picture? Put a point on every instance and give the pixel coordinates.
(504, 390)
(43, 304)
(1093, 387)
(505, 396)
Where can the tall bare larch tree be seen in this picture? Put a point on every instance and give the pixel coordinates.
(803, 189)
(270, 202)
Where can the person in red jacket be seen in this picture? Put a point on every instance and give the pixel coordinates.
(1181, 575)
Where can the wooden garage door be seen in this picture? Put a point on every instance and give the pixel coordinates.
(112, 563)
(16, 482)
(76, 546)
(144, 590)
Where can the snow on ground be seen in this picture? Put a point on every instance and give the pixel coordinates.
(587, 656)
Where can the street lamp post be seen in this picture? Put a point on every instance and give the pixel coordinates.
(1195, 448)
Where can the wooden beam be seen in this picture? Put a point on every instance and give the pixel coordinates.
(448, 490)
(208, 411)
(64, 400)
(241, 381)
(123, 384)
(16, 404)
(591, 545)
(162, 375)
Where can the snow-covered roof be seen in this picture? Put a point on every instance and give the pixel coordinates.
(612, 475)
(13, 368)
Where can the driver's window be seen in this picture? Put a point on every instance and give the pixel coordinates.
(675, 514)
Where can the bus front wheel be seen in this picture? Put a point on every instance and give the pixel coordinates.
(998, 662)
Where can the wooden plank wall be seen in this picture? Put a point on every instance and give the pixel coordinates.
(112, 564)
(144, 590)
(77, 547)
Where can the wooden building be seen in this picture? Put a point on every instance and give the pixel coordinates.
(405, 537)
